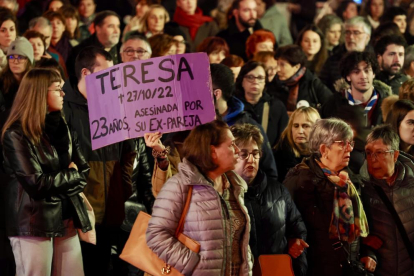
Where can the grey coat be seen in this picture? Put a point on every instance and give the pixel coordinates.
(204, 223)
(392, 256)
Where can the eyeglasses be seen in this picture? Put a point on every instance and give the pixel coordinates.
(131, 52)
(342, 144)
(19, 58)
(251, 78)
(244, 154)
(355, 33)
(379, 155)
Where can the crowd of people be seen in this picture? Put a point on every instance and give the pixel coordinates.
(311, 153)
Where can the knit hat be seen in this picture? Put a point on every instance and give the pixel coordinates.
(21, 46)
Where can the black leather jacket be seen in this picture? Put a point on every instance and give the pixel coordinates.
(38, 185)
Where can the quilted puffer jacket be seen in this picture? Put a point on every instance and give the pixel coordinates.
(205, 222)
(392, 257)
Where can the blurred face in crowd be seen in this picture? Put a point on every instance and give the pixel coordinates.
(336, 156)
(141, 8)
(285, 70)
(380, 159)
(108, 33)
(377, 9)
(226, 154)
(55, 5)
(7, 33)
(38, 47)
(334, 34)
(271, 68)
(58, 27)
(401, 21)
(356, 39)
(392, 60)
(301, 128)
(156, 21)
(311, 44)
(11, 5)
(216, 56)
(254, 83)
(86, 8)
(261, 8)
(17, 64)
(188, 6)
(264, 46)
(361, 77)
(55, 97)
(180, 44)
(351, 11)
(134, 49)
(248, 167)
(46, 31)
(172, 50)
(246, 14)
(406, 129)
(71, 24)
(100, 64)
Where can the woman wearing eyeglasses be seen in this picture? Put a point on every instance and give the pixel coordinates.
(328, 201)
(276, 224)
(294, 84)
(266, 110)
(20, 60)
(46, 174)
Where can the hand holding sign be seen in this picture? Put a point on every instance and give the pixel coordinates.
(164, 94)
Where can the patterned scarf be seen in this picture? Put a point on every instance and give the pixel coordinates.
(192, 22)
(369, 106)
(348, 217)
(293, 84)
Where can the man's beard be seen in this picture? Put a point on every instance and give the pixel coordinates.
(389, 69)
(246, 24)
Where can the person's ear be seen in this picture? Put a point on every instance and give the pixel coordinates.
(236, 13)
(218, 94)
(214, 155)
(323, 149)
(348, 78)
(85, 72)
(396, 154)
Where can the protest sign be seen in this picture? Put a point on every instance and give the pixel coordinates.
(166, 94)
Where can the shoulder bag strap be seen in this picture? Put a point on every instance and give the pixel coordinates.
(265, 116)
(397, 220)
(185, 211)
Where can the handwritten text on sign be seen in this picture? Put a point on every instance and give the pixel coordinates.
(166, 94)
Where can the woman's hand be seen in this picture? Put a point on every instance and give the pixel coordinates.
(296, 247)
(153, 140)
(73, 166)
(370, 264)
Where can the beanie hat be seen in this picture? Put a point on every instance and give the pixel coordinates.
(21, 46)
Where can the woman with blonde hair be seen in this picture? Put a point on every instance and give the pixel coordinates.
(293, 145)
(46, 174)
(153, 22)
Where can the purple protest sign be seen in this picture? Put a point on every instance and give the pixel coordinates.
(166, 94)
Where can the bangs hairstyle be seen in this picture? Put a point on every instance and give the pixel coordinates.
(69, 11)
(327, 131)
(249, 66)
(213, 44)
(197, 146)
(30, 105)
(258, 37)
(161, 44)
(387, 134)
(351, 60)
(293, 54)
(311, 115)
(244, 132)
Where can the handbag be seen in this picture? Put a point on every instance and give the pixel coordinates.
(132, 209)
(278, 264)
(90, 236)
(137, 252)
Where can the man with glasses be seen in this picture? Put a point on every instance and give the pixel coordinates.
(360, 104)
(357, 36)
(390, 181)
(135, 47)
(276, 224)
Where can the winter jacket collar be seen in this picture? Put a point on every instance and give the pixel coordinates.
(235, 107)
(233, 29)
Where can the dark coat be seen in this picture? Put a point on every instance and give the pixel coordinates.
(109, 181)
(313, 195)
(331, 72)
(236, 39)
(395, 82)
(278, 117)
(285, 158)
(38, 186)
(274, 220)
(311, 89)
(63, 47)
(206, 30)
(392, 256)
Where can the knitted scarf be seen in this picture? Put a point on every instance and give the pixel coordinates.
(293, 84)
(192, 22)
(348, 217)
